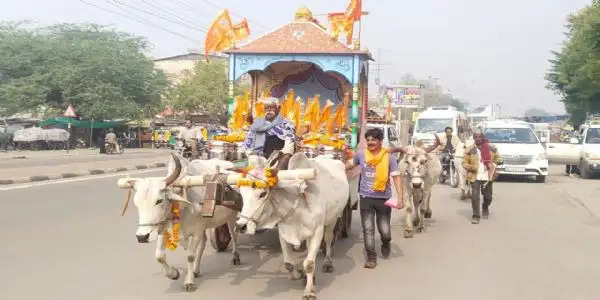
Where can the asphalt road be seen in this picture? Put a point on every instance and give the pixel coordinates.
(67, 241)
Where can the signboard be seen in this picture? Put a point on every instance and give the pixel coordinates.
(405, 95)
(70, 112)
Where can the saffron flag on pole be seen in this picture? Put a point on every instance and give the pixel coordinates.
(341, 23)
(354, 10)
(220, 35)
(241, 30)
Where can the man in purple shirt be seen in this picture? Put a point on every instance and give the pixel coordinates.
(372, 200)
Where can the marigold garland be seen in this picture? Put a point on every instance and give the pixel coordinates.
(232, 137)
(172, 239)
(261, 184)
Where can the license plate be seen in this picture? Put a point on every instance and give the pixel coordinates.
(515, 169)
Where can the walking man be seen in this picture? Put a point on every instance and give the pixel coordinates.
(480, 163)
(377, 168)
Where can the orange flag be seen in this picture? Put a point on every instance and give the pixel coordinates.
(297, 109)
(312, 114)
(259, 110)
(220, 35)
(340, 117)
(241, 30)
(324, 119)
(341, 23)
(287, 105)
(354, 10)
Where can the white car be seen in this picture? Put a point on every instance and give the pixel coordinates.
(390, 136)
(583, 154)
(521, 150)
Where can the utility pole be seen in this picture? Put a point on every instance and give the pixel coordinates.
(378, 68)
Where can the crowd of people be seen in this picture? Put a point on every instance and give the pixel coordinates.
(476, 160)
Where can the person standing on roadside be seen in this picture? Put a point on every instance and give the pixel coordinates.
(480, 162)
(378, 170)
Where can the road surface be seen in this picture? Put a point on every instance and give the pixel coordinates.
(67, 241)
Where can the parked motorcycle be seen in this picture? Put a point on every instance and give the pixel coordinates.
(449, 170)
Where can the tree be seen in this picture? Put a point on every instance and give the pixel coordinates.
(575, 70)
(103, 73)
(204, 89)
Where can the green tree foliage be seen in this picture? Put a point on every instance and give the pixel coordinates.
(103, 73)
(204, 89)
(575, 70)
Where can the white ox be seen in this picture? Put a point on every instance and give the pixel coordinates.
(153, 199)
(301, 210)
(422, 172)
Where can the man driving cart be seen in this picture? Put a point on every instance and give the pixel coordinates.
(271, 133)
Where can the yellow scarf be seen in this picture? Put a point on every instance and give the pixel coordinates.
(380, 162)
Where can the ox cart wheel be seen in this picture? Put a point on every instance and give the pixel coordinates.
(220, 238)
(346, 224)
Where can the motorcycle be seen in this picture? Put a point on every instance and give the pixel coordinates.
(449, 170)
(183, 149)
(110, 148)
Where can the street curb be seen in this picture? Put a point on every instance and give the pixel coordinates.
(38, 178)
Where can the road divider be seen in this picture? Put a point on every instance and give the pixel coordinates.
(95, 171)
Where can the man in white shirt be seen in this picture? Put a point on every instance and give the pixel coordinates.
(190, 136)
(111, 138)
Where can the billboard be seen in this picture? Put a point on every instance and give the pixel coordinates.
(405, 95)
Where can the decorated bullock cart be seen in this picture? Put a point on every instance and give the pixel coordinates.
(322, 85)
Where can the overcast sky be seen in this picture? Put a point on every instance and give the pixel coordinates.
(482, 51)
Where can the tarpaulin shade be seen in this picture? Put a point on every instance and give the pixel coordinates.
(83, 123)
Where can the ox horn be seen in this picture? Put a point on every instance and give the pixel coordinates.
(173, 176)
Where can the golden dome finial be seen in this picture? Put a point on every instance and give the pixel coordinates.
(303, 14)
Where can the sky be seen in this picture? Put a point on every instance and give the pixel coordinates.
(481, 51)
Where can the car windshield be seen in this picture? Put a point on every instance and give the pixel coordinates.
(593, 136)
(432, 125)
(511, 136)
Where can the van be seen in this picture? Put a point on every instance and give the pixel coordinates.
(435, 120)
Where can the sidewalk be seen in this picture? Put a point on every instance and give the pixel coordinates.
(28, 166)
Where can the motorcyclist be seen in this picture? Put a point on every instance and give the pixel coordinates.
(189, 135)
(111, 139)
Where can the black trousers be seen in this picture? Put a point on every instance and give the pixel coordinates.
(370, 210)
(480, 187)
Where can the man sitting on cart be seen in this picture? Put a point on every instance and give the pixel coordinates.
(271, 133)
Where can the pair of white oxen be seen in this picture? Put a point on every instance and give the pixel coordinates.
(305, 205)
